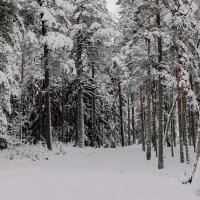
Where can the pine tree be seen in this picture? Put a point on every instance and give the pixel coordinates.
(9, 71)
(53, 43)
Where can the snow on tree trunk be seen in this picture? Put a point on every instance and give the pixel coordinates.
(149, 121)
(47, 85)
(160, 96)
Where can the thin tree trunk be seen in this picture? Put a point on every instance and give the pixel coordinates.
(142, 118)
(22, 93)
(160, 95)
(121, 112)
(63, 109)
(173, 103)
(148, 133)
(129, 123)
(133, 120)
(76, 123)
(185, 129)
(189, 114)
(180, 116)
(172, 129)
(192, 114)
(81, 130)
(93, 109)
(41, 118)
(22, 82)
(154, 135)
(80, 122)
(197, 155)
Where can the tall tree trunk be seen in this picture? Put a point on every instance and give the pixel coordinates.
(22, 93)
(76, 122)
(185, 133)
(192, 115)
(129, 123)
(172, 125)
(142, 118)
(81, 129)
(48, 113)
(148, 135)
(47, 86)
(41, 116)
(133, 120)
(63, 109)
(197, 154)
(80, 123)
(79, 68)
(160, 95)
(22, 82)
(93, 109)
(180, 116)
(121, 112)
(154, 134)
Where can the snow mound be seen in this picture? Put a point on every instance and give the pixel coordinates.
(32, 152)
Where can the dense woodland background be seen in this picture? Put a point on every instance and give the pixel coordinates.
(71, 72)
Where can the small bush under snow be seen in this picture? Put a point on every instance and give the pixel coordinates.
(33, 152)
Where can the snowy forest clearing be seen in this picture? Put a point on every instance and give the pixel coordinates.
(94, 174)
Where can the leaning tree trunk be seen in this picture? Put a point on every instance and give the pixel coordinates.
(197, 155)
(197, 147)
(160, 96)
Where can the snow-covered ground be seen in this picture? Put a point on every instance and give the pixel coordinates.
(94, 174)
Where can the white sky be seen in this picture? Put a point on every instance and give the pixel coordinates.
(111, 6)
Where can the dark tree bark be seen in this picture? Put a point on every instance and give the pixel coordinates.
(160, 96)
(172, 127)
(129, 123)
(133, 120)
(192, 118)
(121, 112)
(93, 109)
(185, 133)
(142, 118)
(154, 134)
(63, 110)
(180, 116)
(149, 122)
(47, 86)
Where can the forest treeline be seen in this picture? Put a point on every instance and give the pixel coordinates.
(71, 72)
